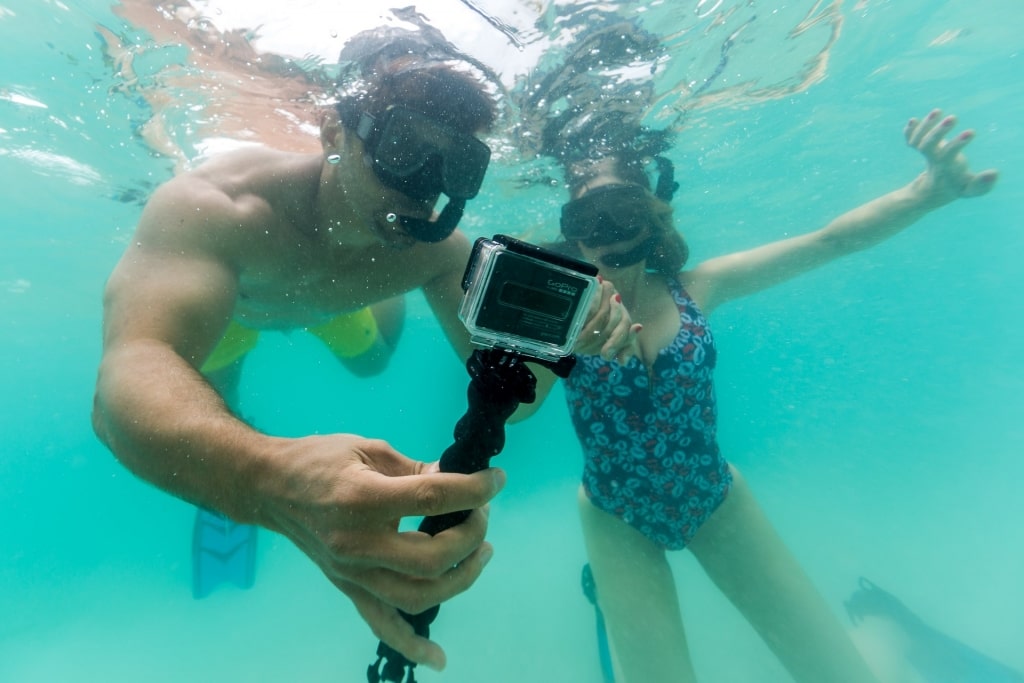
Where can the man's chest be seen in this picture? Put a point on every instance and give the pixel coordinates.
(303, 290)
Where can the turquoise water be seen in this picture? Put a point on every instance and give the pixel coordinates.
(874, 405)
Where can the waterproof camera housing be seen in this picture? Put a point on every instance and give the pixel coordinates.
(524, 298)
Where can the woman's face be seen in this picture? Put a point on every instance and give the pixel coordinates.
(610, 258)
(611, 224)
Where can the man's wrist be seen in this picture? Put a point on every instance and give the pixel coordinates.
(255, 473)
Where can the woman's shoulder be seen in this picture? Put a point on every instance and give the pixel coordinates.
(696, 286)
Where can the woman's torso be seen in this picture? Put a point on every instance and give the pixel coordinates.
(648, 430)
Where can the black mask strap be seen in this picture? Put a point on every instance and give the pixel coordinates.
(633, 256)
(667, 185)
(435, 231)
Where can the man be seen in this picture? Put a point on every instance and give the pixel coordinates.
(273, 240)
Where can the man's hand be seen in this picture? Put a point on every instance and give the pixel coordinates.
(340, 499)
(609, 330)
(948, 176)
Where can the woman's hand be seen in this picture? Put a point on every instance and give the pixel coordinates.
(609, 331)
(948, 176)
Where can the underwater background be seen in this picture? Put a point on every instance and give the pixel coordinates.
(876, 405)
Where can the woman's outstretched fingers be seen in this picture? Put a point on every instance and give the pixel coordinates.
(917, 132)
(956, 145)
(934, 139)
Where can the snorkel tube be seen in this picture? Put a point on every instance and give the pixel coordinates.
(666, 186)
(435, 231)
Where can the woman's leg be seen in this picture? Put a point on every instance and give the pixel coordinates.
(637, 594)
(747, 560)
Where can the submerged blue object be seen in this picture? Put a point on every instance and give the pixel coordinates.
(603, 651)
(938, 658)
(222, 552)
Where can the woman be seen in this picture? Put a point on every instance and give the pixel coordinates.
(654, 479)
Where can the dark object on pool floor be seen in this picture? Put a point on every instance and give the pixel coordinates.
(937, 657)
(590, 591)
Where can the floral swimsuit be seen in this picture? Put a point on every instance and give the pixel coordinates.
(651, 456)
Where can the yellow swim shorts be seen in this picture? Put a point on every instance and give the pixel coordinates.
(347, 336)
(350, 334)
(237, 341)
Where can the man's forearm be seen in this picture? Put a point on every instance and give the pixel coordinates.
(169, 427)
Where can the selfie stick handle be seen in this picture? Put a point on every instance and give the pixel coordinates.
(499, 382)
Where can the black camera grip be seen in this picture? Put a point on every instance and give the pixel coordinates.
(500, 381)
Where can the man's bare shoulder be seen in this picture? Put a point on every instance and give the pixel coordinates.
(237, 174)
(233, 193)
(238, 165)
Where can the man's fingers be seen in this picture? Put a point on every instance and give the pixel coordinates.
(381, 457)
(389, 626)
(433, 494)
(414, 595)
(417, 554)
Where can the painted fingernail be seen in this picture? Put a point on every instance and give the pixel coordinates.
(618, 298)
(600, 280)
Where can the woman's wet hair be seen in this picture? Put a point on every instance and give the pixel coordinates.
(419, 70)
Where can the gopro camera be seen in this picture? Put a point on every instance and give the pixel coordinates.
(525, 298)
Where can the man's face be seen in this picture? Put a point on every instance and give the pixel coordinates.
(420, 158)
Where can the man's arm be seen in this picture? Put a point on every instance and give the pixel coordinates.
(165, 306)
(946, 178)
(444, 290)
(338, 497)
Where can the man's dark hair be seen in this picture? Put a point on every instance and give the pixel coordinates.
(420, 70)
